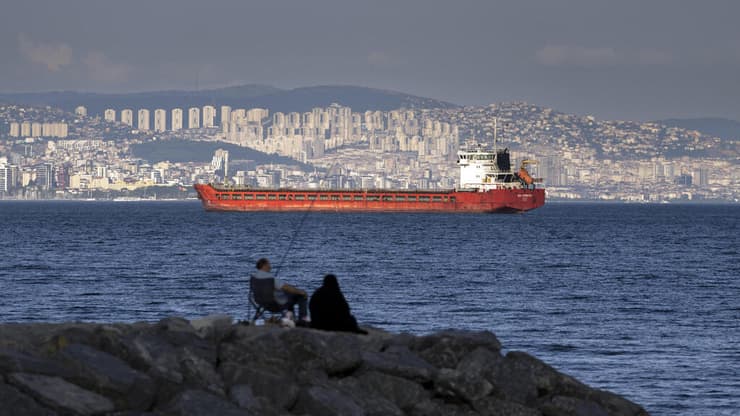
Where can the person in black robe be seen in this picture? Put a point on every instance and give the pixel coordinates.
(330, 310)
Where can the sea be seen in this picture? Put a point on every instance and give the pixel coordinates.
(642, 300)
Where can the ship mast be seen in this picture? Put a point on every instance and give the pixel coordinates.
(495, 133)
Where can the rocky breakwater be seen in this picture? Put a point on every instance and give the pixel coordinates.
(213, 367)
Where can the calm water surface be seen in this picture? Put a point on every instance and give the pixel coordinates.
(641, 300)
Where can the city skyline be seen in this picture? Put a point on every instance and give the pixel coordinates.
(580, 157)
(626, 60)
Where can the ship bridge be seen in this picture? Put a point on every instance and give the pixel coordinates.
(484, 169)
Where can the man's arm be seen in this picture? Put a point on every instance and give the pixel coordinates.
(292, 290)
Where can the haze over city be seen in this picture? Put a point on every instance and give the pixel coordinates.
(627, 60)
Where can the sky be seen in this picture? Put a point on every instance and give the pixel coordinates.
(626, 59)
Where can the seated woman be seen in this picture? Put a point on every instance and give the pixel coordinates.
(330, 310)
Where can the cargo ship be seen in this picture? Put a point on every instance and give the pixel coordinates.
(487, 184)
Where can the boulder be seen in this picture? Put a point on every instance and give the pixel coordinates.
(109, 375)
(319, 400)
(614, 404)
(401, 392)
(275, 384)
(147, 352)
(213, 327)
(198, 372)
(399, 361)
(334, 353)
(375, 404)
(198, 403)
(524, 379)
(571, 406)
(445, 349)
(13, 402)
(463, 386)
(436, 407)
(242, 395)
(492, 406)
(19, 362)
(60, 395)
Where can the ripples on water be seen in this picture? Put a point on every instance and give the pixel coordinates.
(641, 300)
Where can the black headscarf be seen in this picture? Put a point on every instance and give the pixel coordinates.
(330, 310)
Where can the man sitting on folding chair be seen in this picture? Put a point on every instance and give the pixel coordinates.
(285, 295)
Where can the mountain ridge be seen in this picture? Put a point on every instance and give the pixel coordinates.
(242, 96)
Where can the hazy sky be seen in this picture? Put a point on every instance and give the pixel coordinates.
(626, 59)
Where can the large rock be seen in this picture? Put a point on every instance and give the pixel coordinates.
(463, 386)
(401, 392)
(491, 406)
(13, 402)
(567, 406)
(213, 327)
(275, 384)
(399, 361)
(319, 400)
(299, 349)
(198, 403)
(524, 379)
(109, 375)
(12, 361)
(375, 403)
(445, 349)
(61, 395)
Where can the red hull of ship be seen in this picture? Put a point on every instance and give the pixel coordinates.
(497, 200)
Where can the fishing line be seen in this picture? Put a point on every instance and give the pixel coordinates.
(300, 225)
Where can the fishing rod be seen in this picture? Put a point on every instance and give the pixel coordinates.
(300, 225)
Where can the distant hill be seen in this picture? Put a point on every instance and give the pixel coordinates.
(358, 98)
(245, 96)
(716, 127)
(180, 151)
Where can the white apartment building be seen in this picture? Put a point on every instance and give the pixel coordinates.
(160, 120)
(176, 119)
(127, 117)
(194, 118)
(143, 120)
(209, 115)
(110, 115)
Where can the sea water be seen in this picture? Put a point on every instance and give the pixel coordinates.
(642, 300)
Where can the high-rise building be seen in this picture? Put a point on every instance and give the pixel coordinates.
(160, 120)
(701, 177)
(25, 129)
(45, 176)
(81, 111)
(209, 115)
(194, 118)
(127, 117)
(8, 177)
(256, 115)
(220, 163)
(36, 130)
(225, 114)
(176, 119)
(15, 129)
(110, 115)
(143, 120)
